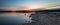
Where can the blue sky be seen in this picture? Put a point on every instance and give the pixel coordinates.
(28, 2)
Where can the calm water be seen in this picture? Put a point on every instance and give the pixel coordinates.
(13, 18)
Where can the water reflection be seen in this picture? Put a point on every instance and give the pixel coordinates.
(14, 18)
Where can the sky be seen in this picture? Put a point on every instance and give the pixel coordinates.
(29, 2)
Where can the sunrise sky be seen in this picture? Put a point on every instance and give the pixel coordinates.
(29, 3)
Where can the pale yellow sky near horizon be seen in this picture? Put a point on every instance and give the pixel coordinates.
(26, 8)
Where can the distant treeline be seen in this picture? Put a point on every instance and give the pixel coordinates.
(24, 11)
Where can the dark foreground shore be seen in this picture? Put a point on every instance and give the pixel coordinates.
(45, 18)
